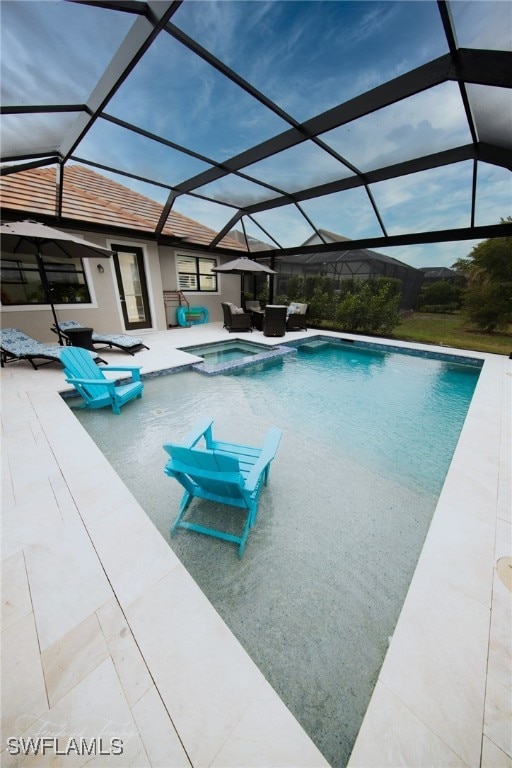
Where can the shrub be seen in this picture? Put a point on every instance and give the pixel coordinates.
(438, 294)
(369, 306)
(488, 305)
(372, 308)
(321, 306)
(488, 297)
(295, 288)
(318, 283)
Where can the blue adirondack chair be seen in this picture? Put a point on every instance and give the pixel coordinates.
(90, 381)
(223, 472)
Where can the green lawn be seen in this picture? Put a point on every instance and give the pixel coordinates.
(448, 331)
(451, 331)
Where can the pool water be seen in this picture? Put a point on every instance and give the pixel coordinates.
(225, 351)
(368, 436)
(401, 413)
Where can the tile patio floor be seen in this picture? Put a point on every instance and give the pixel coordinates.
(106, 635)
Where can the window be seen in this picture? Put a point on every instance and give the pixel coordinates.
(22, 281)
(12, 271)
(195, 273)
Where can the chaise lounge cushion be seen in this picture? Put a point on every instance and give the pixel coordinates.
(17, 345)
(124, 342)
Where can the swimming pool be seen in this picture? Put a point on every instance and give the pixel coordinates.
(340, 526)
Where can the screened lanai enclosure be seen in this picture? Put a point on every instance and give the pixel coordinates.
(387, 122)
(358, 265)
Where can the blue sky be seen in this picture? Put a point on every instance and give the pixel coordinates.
(307, 57)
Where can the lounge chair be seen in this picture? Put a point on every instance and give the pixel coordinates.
(16, 345)
(127, 343)
(296, 317)
(274, 320)
(90, 381)
(226, 473)
(235, 319)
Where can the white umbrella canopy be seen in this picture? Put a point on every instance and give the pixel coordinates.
(47, 241)
(244, 266)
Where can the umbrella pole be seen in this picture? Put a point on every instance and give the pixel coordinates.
(48, 293)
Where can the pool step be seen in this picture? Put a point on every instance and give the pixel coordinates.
(312, 346)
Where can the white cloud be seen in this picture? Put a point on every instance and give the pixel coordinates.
(436, 199)
(428, 122)
(483, 23)
(348, 213)
(494, 194)
(54, 53)
(431, 254)
(285, 224)
(211, 215)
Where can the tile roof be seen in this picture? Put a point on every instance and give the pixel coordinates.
(90, 197)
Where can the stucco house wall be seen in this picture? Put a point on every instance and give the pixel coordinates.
(104, 311)
(228, 285)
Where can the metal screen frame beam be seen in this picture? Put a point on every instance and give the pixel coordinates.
(480, 67)
(127, 6)
(417, 238)
(460, 65)
(46, 160)
(140, 37)
(436, 160)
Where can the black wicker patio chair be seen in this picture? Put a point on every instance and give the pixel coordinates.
(296, 317)
(236, 319)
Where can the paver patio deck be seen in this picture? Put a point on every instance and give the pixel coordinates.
(105, 634)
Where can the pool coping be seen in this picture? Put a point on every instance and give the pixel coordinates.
(282, 349)
(429, 702)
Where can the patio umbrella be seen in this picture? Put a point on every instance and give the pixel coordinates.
(30, 235)
(244, 266)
